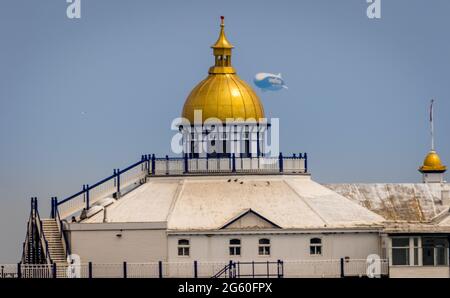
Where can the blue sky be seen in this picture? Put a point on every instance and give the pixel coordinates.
(81, 97)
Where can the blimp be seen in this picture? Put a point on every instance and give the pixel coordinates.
(269, 81)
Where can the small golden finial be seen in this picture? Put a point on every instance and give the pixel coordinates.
(222, 42)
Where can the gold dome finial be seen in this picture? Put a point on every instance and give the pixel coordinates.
(222, 52)
(222, 42)
(223, 94)
(432, 164)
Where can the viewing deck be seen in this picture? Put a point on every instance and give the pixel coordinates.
(123, 181)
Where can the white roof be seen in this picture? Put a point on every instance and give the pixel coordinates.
(209, 202)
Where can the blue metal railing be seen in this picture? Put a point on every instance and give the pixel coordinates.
(149, 165)
(230, 164)
(109, 186)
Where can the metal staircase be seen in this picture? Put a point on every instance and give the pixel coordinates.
(44, 242)
(258, 269)
(55, 241)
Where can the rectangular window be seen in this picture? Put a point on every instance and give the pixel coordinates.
(264, 250)
(441, 256)
(264, 247)
(315, 246)
(183, 247)
(235, 251)
(400, 251)
(235, 247)
(416, 251)
(435, 251)
(183, 251)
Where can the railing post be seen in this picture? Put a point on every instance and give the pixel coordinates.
(233, 163)
(186, 167)
(258, 150)
(195, 270)
(118, 183)
(55, 199)
(125, 270)
(280, 162)
(305, 156)
(31, 250)
(342, 268)
(253, 269)
(87, 196)
(90, 269)
(149, 170)
(278, 268)
(167, 164)
(153, 164)
(160, 269)
(54, 270)
(55, 208)
(19, 270)
(52, 212)
(230, 269)
(282, 268)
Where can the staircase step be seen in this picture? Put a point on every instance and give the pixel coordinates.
(54, 240)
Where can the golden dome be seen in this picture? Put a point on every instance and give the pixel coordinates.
(432, 163)
(223, 94)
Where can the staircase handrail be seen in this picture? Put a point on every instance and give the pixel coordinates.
(145, 160)
(26, 242)
(42, 238)
(229, 267)
(61, 231)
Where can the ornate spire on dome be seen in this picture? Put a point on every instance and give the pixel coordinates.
(222, 53)
(223, 95)
(222, 42)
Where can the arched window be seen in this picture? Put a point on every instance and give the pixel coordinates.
(235, 247)
(315, 246)
(183, 247)
(264, 247)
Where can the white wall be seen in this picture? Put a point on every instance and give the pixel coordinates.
(133, 246)
(283, 246)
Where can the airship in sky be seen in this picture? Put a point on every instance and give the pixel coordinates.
(269, 81)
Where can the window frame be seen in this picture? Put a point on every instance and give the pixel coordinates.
(315, 246)
(266, 247)
(184, 247)
(416, 249)
(406, 248)
(234, 247)
(435, 250)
